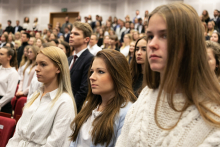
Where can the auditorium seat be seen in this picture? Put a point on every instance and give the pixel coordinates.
(5, 114)
(19, 106)
(7, 127)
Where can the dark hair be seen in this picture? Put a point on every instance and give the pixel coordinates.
(25, 20)
(11, 45)
(67, 46)
(218, 34)
(27, 34)
(9, 21)
(13, 53)
(136, 68)
(56, 41)
(103, 125)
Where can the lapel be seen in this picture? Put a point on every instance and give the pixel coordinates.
(70, 59)
(79, 60)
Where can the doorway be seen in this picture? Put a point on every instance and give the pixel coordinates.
(60, 17)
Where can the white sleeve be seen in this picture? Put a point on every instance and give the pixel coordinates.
(59, 136)
(10, 92)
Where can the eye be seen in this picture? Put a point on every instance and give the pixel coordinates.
(101, 72)
(150, 37)
(91, 72)
(164, 36)
(137, 48)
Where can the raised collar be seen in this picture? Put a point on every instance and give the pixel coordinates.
(51, 94)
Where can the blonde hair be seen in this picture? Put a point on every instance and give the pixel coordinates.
(59, 59)
(24, 58)
(29, 62)
(18, 42)
(123, 44)
(190, 71)
(0, 26)
(215, 47)
(34, 40)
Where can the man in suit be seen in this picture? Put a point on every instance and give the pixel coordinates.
(17, 28)
(127, 31)
(66, 34)
(216, 19)
(80, 62)
(24, 38)
(65, 24)
(9, 28)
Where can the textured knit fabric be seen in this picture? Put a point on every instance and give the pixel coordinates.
(140, 129)
(44, 126)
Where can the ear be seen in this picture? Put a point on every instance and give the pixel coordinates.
(87, 39)
(58, 70)
(9, 57)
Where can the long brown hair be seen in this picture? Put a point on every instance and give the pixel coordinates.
(24, 58)
(103, 125)
(135, 68)
(186, 65)
(13, 53)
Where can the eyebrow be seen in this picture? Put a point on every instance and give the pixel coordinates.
(99, 68)
(41, 62)
(160, 31)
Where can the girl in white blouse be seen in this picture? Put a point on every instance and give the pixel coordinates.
(109, 98)
(28, 71)
(8, 78)
(23, 62)
(26, 24)
(35, 24)
(47, 116)
(180, 105)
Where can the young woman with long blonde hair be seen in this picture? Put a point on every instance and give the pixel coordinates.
(48, 114)
(180, 105)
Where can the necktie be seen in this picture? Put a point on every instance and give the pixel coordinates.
(74, 60)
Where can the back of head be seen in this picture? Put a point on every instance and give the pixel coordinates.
(84, 27)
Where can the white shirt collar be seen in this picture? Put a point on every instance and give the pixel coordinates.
(51, 94)
(79, 53)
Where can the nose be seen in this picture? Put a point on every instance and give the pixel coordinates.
(153, 43)
(93, 76)
(37, 69)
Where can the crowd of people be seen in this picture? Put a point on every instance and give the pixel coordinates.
(151, 81)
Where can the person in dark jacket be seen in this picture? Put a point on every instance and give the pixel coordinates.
(25, 38)
(9, 28)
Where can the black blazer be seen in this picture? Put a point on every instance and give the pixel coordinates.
(79, 77)
(19, 29)
(67, 37)
(123, 34)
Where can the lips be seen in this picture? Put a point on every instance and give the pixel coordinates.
(94, 85)
(139, 58)
(154, 56)
(38, 76)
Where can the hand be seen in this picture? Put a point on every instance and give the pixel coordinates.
(19, 93)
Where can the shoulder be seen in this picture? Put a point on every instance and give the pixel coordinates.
(13, 71)
(123, 111)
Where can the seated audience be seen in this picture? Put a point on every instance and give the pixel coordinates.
(40, 42)
(26, 25)
(11, 39)
(17, 28)
(205, 16)
(66, 34)
(9, 28)
(213, 51)
(28, 72)
(215, 37)
(131, 51)
(181, 95)
(125, 47)
(24, 38)
(113, 41)
(17, 44)
(93, 47)
(53, 104)
(38, 35)
(100, 121)
(105, 44)
(17, 36)
(35, 24)
(210, 29)
(32, 41)
(23, 63)
(65, 47)
(8, 78)
(137, 64)
(4, 40)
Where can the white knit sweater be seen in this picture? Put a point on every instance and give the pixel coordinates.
(140, 129)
